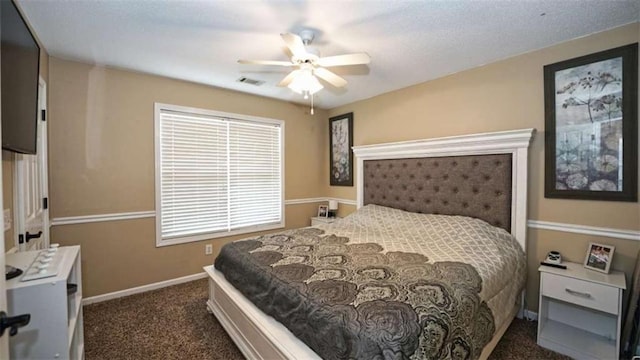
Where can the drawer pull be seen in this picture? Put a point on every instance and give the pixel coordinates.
(578, 293)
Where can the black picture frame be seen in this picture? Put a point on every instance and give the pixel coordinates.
(340, 152)
(591, 122)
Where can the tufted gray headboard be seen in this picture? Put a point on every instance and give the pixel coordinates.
(472, 185)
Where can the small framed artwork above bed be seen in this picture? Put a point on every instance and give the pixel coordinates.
(439, 223)
(340, 153)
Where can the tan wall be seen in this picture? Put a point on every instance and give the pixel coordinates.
(504, 95)
(101, 148)
(101, 155)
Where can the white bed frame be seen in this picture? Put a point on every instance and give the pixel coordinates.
(259, 336)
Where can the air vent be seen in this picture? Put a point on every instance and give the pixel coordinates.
(250, 81)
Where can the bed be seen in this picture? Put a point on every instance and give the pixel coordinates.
(378, 283)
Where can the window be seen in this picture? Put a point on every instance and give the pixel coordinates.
(217, 174)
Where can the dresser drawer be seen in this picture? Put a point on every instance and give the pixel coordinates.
(589, 294)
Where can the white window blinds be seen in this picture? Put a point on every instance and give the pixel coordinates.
(215, 175)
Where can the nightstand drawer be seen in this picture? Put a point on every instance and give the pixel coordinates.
(589, 294)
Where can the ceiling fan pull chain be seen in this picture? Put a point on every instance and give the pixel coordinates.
(312, 96)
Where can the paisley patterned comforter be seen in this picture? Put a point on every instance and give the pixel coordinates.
(383, 283)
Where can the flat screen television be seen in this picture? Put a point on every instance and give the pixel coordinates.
(20, 62)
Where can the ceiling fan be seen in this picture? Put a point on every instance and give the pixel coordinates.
(309, 64)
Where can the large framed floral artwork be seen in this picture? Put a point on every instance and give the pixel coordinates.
(341, 155)
(591, 126)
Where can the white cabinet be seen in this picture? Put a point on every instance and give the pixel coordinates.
(318, 220)
(580, 311)
(55, 330)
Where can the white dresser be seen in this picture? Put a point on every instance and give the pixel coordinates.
(580, 311)
(55, 330)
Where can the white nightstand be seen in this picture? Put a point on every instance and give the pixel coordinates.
(580, 311)
(317, 220)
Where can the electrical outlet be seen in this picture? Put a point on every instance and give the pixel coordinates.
(208, 249)
(7, 219)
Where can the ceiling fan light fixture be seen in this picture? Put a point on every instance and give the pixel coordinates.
(309, 66)
(305, 84)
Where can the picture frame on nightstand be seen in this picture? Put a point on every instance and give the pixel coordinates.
(599, 257)
(323, 211)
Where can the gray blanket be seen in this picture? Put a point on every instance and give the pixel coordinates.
(358, 300)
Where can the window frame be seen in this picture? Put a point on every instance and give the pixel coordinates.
(158, 108)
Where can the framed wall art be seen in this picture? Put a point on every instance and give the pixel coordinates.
(591, 119)
(341, 154)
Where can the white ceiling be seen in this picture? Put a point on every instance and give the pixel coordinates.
(409, 41)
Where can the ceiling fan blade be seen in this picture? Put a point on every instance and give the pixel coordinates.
(266, 62)
(341, 60)
(289, 78)
(330, 77)
(295, 44)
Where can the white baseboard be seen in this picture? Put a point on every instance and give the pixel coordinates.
(530, 315)
(141, 289)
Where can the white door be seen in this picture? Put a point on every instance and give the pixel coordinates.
(4, 340)
(31, 187)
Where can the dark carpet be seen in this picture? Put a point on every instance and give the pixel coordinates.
(173, 323)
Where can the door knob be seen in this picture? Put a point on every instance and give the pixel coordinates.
(13, 322)
(33, 236)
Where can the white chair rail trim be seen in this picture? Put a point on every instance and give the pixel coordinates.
(102, 217)
(343, 201)
(586, 230)
(304, 201)
(319, 199)
(71, 220)
(535, 224)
